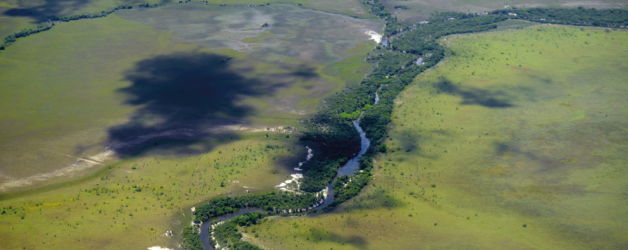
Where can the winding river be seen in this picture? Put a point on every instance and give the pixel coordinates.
(348, 169)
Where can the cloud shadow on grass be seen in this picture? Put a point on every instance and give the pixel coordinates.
(476, 96)
(352, 240)
(59, 8)
(424, 144)
(371, 200)
(183, 98)
(49, 8)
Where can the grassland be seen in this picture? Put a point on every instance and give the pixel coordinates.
(20, 14)
(95, 111)
(409, 11)
(132, 205)
(516, 141)
(117, 82)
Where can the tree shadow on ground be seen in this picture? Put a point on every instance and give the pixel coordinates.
(476, 96)
(185, 97)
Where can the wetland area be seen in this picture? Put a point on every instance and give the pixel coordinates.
(119, 132)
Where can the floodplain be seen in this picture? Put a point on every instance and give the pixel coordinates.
(124, 85)
(516, 140)
(114, 128)
(16, 15)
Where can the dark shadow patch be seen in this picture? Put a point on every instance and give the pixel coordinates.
(49, 8)
(374, 199)
(541, 79)
(305, 71)
(184, 98)
(61, 8)
(502, 149)
(543, 164)
(425, 144)
(476, 96)
(317, 236)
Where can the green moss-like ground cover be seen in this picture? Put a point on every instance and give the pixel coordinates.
(516, 141)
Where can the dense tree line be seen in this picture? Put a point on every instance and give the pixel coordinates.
(423, 38)
(346, 187)
(227, 234)
(191, 239)
(394, 71)
(10, 39)
(273, 201)
(613, 18)
(338, 140)
(393, 26)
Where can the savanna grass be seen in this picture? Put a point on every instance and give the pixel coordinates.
(515, 141)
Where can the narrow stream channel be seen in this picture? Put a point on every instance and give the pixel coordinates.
(348, 169)
(205, 226)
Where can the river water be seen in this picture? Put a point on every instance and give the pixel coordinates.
(348, 169)
(205, 226)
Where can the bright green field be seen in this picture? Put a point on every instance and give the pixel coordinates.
(518, 141)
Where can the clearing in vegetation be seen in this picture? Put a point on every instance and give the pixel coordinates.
(517, 140)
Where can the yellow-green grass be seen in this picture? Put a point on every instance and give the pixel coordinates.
(502, 156)
(110, 212)
(61, 84)
(59, 89)
(11, 24)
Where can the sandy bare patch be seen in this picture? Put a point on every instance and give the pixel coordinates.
(159, 248)
(374, 36)
(84, 164)
(292, 184)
